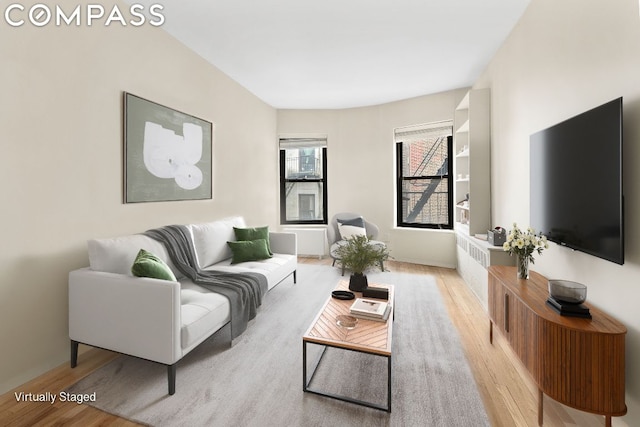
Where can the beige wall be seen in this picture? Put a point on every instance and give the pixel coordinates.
(361, 167)
(566, 57)
(61, 121)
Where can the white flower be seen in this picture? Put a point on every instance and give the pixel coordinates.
(524, 244)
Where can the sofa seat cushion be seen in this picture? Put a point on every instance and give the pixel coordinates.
(203, 312)
(275, 269)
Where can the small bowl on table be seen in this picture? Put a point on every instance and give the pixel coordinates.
(567, 291)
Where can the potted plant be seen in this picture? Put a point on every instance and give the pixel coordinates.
(358, 254)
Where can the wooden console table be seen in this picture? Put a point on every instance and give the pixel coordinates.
(577, 362)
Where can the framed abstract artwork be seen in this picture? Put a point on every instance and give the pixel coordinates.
(168, 154)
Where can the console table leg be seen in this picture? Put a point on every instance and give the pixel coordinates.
(490, 332)
(607, 420)
(74, 354)
(540, 408)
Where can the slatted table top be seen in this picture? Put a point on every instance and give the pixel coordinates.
(368, 336)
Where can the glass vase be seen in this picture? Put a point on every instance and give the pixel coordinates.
(522, 266)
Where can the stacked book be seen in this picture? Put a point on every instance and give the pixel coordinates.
(370, 309)
(568, 309)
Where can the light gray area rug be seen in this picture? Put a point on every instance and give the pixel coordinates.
(258, 380)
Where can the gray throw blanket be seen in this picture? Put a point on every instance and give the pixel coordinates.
(244, 290)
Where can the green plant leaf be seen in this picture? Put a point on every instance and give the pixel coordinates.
(358, 254)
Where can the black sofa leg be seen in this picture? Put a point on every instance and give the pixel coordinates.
(74, 353)
(171, 374)
(295, 276)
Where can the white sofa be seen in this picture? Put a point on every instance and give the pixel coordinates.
(161, 320)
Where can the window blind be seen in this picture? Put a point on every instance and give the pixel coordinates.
(294, 143)
(432, 130)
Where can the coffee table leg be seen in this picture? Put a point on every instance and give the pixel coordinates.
(389, 384)
(307, 382)
(304, 365)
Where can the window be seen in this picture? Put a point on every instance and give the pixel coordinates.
(425, 176)
(303, 181)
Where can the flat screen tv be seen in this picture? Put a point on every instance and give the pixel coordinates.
(576, 182)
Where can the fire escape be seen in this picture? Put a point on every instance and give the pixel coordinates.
(432, 185)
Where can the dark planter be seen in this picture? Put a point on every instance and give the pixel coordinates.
(358, 282)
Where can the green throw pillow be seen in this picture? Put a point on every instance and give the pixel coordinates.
(149, 265)
(249, 250)
(243, 234)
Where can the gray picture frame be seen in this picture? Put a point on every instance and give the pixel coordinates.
(168, 154)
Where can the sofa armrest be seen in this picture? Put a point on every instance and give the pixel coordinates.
(283, 242)
(130, 315)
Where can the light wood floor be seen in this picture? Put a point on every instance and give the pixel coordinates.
(509, 395)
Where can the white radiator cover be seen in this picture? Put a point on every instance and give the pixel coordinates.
(311, 241)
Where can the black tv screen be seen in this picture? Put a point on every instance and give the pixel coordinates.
(576, 182)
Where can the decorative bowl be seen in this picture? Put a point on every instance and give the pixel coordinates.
(347, 322)
(567, 291)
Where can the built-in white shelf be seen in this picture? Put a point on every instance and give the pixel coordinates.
(472, 144)
(464, 127)
(474, 256)
(472, 119)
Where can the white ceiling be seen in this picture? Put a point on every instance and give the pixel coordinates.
(343, 53)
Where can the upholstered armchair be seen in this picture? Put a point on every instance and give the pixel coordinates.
(349, 222)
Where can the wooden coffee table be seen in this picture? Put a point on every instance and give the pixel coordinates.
(369, 336)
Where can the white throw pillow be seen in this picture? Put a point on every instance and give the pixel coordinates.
(116, 255)
(351, 227)
(210, 239)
